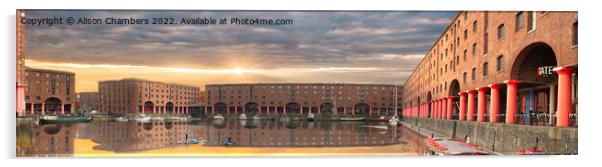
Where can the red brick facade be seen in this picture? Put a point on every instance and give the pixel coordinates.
(350, 99)
(49, 92)
(88, 101)
(131, 96)
(507, 46)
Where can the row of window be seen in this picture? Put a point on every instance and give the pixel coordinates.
(485, 69)
(298, 87)
(519, 24)
(38, 98)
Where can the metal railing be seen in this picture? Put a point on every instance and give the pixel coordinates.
(537, 119)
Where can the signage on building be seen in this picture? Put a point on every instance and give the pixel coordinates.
(545, 71)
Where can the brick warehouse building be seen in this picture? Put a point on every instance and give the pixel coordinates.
(88, 101)
(514, 67)
(49, 92)
(131, 96)
(302, 98)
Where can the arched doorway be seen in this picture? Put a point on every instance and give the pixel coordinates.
(326, 108)
(148, 107)
(293, 108)
(251, 108)
(220, 108)
(362, 109)
(169, 108)
(454, 89)
(52, 106)
(533, 68)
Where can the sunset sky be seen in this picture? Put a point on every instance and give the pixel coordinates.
(326, 47)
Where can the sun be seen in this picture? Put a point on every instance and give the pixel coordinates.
(238, 71)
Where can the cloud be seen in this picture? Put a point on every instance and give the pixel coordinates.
(316, 40)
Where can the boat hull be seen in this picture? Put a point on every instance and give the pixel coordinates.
(65, 119)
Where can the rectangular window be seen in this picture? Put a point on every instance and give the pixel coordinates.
(500, 63)
(474, 26)
(465, 34)
(485, 69)
(474, 74)
(465, 52)
(518, 24)
(531, 21)
(500, 32)
(575, 36)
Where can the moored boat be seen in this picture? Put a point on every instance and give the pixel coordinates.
(218, 117)
(284, 119)
(243, 116)
(157, 118)
(121, 119)
(59, 119)
(311, 117)
(143, 118)
(353, 119)
(394, 121)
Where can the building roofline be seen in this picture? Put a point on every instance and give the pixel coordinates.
(47, 70)
(146, 80)
(86, 92)
(435, 43)
(359, 84)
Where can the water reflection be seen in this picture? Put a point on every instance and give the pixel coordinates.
(131, 137)
(51, 140)
(255, 133)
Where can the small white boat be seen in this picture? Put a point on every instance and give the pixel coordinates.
(218, 117)
(284, 119)
(121, 119)
(176, 118)
(393, 121)
(157, 119)
(256, 117)
(243, 116)
(311, 117)
(143, 118)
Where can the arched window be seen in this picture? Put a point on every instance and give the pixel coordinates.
(500, 32)
(474, 49)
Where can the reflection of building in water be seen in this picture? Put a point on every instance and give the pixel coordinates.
(131, 136)
(300, 134)
(53, 140)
